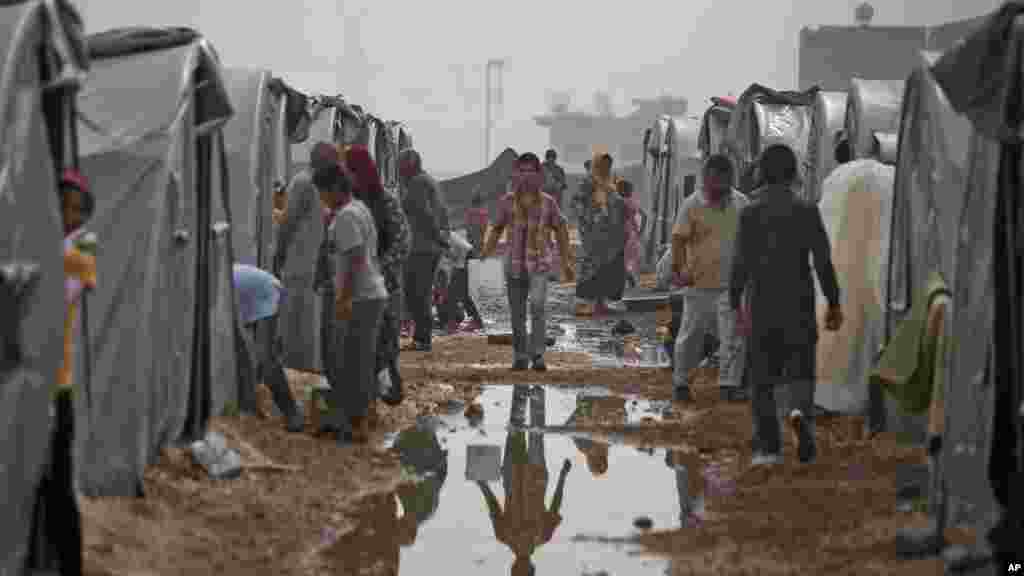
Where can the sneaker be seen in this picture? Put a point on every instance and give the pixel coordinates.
(539, 365)
(806, 449)
(765, 459)
(520, 365)
(681, 394)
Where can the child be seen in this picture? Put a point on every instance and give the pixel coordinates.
(458, 288)
(58, 536)
(634, 231)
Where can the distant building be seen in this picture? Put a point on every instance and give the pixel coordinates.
(829, 56)
(574, 134)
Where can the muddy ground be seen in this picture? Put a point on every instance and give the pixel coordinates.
(304, 505)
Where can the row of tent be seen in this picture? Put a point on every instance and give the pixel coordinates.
(183, 156)
(947, 147)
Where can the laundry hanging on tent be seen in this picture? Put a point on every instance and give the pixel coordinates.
(907, 366)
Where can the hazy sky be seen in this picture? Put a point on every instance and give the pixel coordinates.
(422, 62)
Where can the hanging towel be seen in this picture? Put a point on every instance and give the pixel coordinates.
(907, 366)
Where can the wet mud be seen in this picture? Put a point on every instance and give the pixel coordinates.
(463, 479)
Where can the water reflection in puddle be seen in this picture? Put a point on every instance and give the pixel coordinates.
(504, 492)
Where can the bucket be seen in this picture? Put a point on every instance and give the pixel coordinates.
(486, 278)
(483, 463)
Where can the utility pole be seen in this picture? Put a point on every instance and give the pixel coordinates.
(493, 97)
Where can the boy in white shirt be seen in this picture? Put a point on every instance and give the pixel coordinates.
(458, 286)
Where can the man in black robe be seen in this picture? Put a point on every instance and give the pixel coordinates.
(777, 235)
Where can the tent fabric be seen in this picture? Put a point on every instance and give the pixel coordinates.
(674, 150)
(30, 234)
(747, 128)
(295, 105)
(491, 181)
(322, 128)
(873, 106)
(120, 42)
(253, 140)
(855, 206)
(886, 147)
(827, 118)
(154, 158)
(990, 61)
(943, 198)
(714, 125)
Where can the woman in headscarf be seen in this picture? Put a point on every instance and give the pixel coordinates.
(393, 244)
(601, 224)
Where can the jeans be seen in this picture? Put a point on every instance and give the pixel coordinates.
(419, 288)
(794, 384)
(708, 310)
(532, 289)
(458, 293)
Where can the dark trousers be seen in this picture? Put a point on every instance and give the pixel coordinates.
(353, 393)
(789, 375)
(419, 289)
(458, 293)
(268, 363)
(56, 543)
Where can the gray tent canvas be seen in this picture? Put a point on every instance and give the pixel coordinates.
(827, 118)
(983, 448)
(30, 233)
(672, 157)
(873, 106)
(458, 192)
(162, 334)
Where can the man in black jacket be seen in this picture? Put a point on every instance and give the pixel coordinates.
(777, 235)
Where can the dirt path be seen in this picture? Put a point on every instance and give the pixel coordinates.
(835, 516)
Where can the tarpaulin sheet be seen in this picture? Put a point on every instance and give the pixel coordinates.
(982, 79)
(30, 232)
(855, 205)
(295, 106)
(873, 106)
(149, 328)
(827, 118)
(251, 138)
(490, 182)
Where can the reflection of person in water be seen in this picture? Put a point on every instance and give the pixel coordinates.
(380, 533)
(595, 451)
(526, 523)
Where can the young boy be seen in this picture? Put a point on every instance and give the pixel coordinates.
(458, 288)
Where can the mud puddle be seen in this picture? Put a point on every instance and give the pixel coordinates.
(498, 492)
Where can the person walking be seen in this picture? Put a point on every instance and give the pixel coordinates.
(601, 224)
(776, 238)
(702, 249)
(634, 231)
(299, 239)
(393, 245)
(428, 221)
(531, 217)
(259, 298)
(360, 300)
(458, 289)
(555, 181)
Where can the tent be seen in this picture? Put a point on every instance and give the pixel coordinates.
(162, 331)
(927, 202)
(41, 45)
(458, 192)
(873, 106)
(827, 118)
(715, 125)
(855, 205)
(672, 162)
(259, 156)
(764, 117)
(983, 444)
